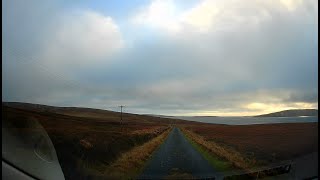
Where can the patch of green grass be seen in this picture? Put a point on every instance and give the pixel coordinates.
(215, 161)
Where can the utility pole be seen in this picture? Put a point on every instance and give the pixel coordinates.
(121, 112)
(122, 126)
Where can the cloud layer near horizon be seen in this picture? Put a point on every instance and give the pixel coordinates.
(212, 57)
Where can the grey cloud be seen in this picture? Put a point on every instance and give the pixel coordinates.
(304, 96)
(274, 62)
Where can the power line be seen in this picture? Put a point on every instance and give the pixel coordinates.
(20, 57)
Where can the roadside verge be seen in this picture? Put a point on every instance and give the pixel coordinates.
(130, 164)
(221, 158)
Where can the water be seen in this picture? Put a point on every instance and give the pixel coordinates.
(250, 120)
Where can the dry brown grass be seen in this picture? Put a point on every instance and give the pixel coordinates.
(152, 130)
(130, 163)
(85, 146)
(236, 158)
(267, 143)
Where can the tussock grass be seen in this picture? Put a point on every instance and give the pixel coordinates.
(86, 146)
(130, 164)
(236, 158)
(218, 163)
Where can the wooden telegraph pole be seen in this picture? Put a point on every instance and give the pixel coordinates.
(121, 121)
(121, 112)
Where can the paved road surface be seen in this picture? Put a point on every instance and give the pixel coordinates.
(176, 154)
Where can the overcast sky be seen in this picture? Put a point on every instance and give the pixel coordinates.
(172, 57)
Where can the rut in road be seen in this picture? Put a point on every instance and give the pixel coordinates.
(177, 154)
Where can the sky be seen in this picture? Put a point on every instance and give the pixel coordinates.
(169, 57)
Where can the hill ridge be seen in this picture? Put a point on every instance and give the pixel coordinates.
(291, 113)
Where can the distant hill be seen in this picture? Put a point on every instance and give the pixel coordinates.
(160, 116)
(187, 118)
(203, 116)
(292, 113)
(71, 111)
(86, 113)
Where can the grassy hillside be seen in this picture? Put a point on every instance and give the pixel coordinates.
(292, 113)
(87, 141)
(100, 114)
(264, 144)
